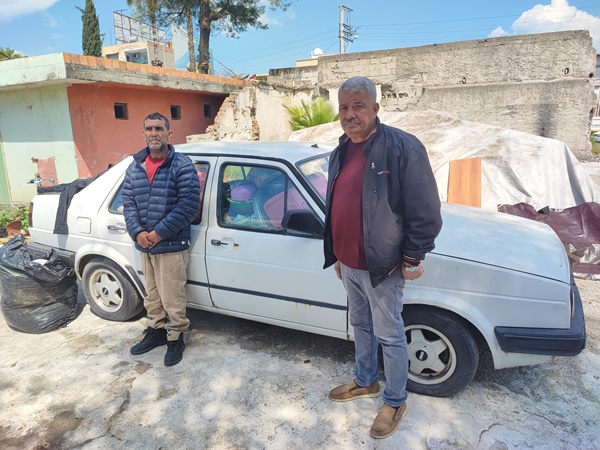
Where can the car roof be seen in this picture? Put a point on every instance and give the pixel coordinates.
(292, 151)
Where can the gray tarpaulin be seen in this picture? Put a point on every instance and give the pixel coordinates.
(516, 167)
(532, 173)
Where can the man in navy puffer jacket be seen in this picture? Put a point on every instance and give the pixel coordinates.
(161, 196)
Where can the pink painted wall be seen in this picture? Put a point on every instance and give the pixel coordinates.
(101, 139)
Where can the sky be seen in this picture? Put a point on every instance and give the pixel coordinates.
(38, 27)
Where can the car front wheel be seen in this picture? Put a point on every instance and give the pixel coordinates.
(109, 292)
(442, 353)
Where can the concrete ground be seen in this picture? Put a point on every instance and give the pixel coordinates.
(246, 385)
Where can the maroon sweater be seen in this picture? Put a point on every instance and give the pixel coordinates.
(346, 209)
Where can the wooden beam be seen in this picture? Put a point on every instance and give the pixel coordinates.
(464, 182)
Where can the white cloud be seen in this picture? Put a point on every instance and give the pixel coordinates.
(498, 32)
(557, 16)
(11, 9)
(51, 20)
(270, 21)
(275, 18)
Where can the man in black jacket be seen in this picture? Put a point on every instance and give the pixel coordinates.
(383, 215)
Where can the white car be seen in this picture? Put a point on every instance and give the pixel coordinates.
(494, 282)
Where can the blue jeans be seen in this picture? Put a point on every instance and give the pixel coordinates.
(375, 315)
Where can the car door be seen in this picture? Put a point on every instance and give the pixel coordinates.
(115, 234)
(197, 284)
(257, 269)
(112, 228)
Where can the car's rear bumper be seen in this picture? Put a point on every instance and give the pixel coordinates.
(547, 341)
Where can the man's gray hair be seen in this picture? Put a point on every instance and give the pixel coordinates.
(359, 84)
(158, 116)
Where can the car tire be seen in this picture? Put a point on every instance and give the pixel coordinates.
(109, 292)
(443, 355)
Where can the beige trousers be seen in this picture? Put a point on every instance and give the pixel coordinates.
(165, 302)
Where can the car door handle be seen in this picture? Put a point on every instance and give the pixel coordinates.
(217, 242)
(119, 228)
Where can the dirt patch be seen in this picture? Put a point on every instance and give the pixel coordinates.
(48, 435)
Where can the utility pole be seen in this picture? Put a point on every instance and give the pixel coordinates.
(345, 28)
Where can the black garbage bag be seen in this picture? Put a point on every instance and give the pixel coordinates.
(35, 298)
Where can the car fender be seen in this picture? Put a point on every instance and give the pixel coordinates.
(89, 251)
(461, 307)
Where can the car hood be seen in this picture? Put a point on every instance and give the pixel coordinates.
(502, 240)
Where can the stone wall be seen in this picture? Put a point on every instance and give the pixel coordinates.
(541, 84)
(255, 113)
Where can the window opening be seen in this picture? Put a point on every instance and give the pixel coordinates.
(121, 111)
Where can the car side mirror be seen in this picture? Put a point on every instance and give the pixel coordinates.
(302, 220)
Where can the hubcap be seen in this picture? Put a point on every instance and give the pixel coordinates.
(432, 358)
(106, 290)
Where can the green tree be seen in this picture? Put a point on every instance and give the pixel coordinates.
(182, 12)
(189, 24)
(90, 35)
(9, 53)
(309, 114)
(231, 17)
(148, 10)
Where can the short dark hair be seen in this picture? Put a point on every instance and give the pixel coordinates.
(359, 84)
(158, 116)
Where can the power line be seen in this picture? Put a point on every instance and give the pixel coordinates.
(391, 35)
(272, 53)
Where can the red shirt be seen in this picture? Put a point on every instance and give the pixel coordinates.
(346, 209)
(152, 164)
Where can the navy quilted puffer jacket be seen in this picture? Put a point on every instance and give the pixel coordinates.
(168, 205)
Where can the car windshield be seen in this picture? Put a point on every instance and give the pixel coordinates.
(316, 172)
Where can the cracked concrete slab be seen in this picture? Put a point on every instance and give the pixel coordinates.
(246, 385)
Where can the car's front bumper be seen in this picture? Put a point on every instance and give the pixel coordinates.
(547, 341)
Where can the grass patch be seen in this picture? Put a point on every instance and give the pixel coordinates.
(595, 146)
(8, 213)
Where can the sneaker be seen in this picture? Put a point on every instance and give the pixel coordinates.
(153, 337)
(174, 351)
(352, 391)
(387, 421)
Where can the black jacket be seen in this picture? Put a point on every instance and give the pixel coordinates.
(400, 201)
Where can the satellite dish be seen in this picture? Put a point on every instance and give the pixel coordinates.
(317, 51)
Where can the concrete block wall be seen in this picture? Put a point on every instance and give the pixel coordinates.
(308, 74)
(541, 83)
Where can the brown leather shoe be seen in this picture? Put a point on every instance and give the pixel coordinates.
(387, 421)
(352, 391)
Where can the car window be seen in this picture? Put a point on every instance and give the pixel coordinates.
(256, 197)
(116, 205)
(202, 168)
(315, 170)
